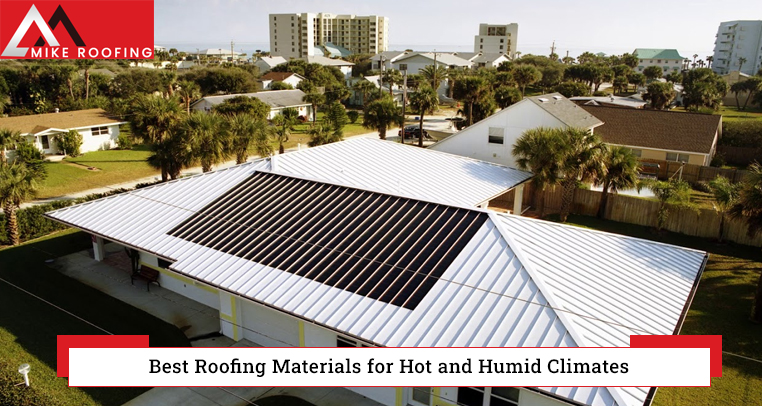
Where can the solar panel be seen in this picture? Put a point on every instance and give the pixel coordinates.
(384, 247)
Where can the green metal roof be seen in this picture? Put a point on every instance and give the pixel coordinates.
(647, 53)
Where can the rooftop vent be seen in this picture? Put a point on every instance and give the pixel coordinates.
(542, 99)
(557, 97)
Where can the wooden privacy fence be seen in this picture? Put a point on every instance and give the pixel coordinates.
(740, 155)
(694, 173)
(633, 210)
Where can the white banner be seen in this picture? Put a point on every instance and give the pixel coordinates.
(536, 367)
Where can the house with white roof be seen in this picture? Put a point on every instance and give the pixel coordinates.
(492, 139)
(385, 60)
(99, 130)
(288, 78)
(310, 249)
(413, 62)
(484, 59)
(344, 66)
(276, 99)
(266, 63)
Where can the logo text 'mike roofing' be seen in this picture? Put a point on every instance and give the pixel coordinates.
(136, 47)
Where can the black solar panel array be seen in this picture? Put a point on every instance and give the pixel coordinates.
(384, 247)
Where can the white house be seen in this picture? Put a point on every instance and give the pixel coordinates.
(344, 66)
(99, 131)
(484, 59)
(321, 274)
(289, 78)
(415, 61)
(492, 139)
(386, 59)
(356, 98)
(265, 63)
(276, 99)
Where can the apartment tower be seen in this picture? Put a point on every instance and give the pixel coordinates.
(497, 39)
(738, 41)
(297, 35)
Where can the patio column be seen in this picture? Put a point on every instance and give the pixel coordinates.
(518, 199)
(99, 251)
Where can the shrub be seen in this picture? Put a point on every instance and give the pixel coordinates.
(353, 115)
(573, 89)
(718, 160)
(27, 152)
(742, 134)
(124, 142)
(600, 93)
(70, 142)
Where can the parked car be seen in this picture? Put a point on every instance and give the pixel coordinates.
(413, 131)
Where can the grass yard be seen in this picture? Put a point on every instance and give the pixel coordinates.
(113, 166)
(730, 113)
(28, 326)
(300, 136)
(721, 306)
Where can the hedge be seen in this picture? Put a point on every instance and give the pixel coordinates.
(746, 134)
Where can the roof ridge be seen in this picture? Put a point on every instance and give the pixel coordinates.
(547, 292)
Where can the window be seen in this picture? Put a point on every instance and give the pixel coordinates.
(99, 131)
(501, 40)
(45, 141)
(422, 395)
(488, 396)
(164, 264)
(481, 46)
(501, 47)
(496, 135)
(403, 66)
(675, 157)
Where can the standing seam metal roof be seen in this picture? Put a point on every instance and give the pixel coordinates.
(515, 282)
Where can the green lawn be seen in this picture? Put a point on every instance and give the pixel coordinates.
(28, 326)
(721, 306)
(730, 113)
(113, 166)
(299, 135)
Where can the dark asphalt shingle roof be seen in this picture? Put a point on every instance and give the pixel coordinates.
(668, 130)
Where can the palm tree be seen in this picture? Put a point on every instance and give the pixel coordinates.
(673, 194)
(17, 185)
(321, 134)
(8, 141)
(741, 61)
(425, 100)
(380, 114)
(468, 90)
(283, 124)
(621, 172)
(725, 195)
(208, 138)
(660, 94)
(315, 99)
(434, 74)
(188, 92)
(392, 77)
(694, 59)
(709, 60)
(736, 88)
(582, 162)
(246, 132)
(525, 75)
(86, 64)
(365, 88)
(538, 150)
(749, 208)
(155, 119)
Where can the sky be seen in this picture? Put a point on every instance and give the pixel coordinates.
(613, 27)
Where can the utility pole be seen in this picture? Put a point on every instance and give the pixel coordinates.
(381, 76)
(404, 103)
(232, 59)
(553, 48)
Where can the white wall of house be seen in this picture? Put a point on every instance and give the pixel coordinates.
(96, 138)
(474, 142)
(667, 65)
(268, 327)
(305, 111)
(181, 285)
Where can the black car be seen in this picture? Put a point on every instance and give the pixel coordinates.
(413, 131)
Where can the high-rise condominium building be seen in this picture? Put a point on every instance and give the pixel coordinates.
(497, 39)
(298, 35)
(738, 47)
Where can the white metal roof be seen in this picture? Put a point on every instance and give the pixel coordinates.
(403, 170)
(517, 281)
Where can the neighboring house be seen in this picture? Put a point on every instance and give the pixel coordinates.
(492, 139)
(385, 60)
(660, 135)
(344, 66)
(730, 98)
(266, 63)
(99, 131)
(290, 78)
(484, 60)
(276, 99)
(736, 40)
(669, 60)
(221, 53)
(497, 39)
(610, 101)
(351, 259)
(331, 50)
(413, 62)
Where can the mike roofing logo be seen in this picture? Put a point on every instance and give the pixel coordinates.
(76, 29)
